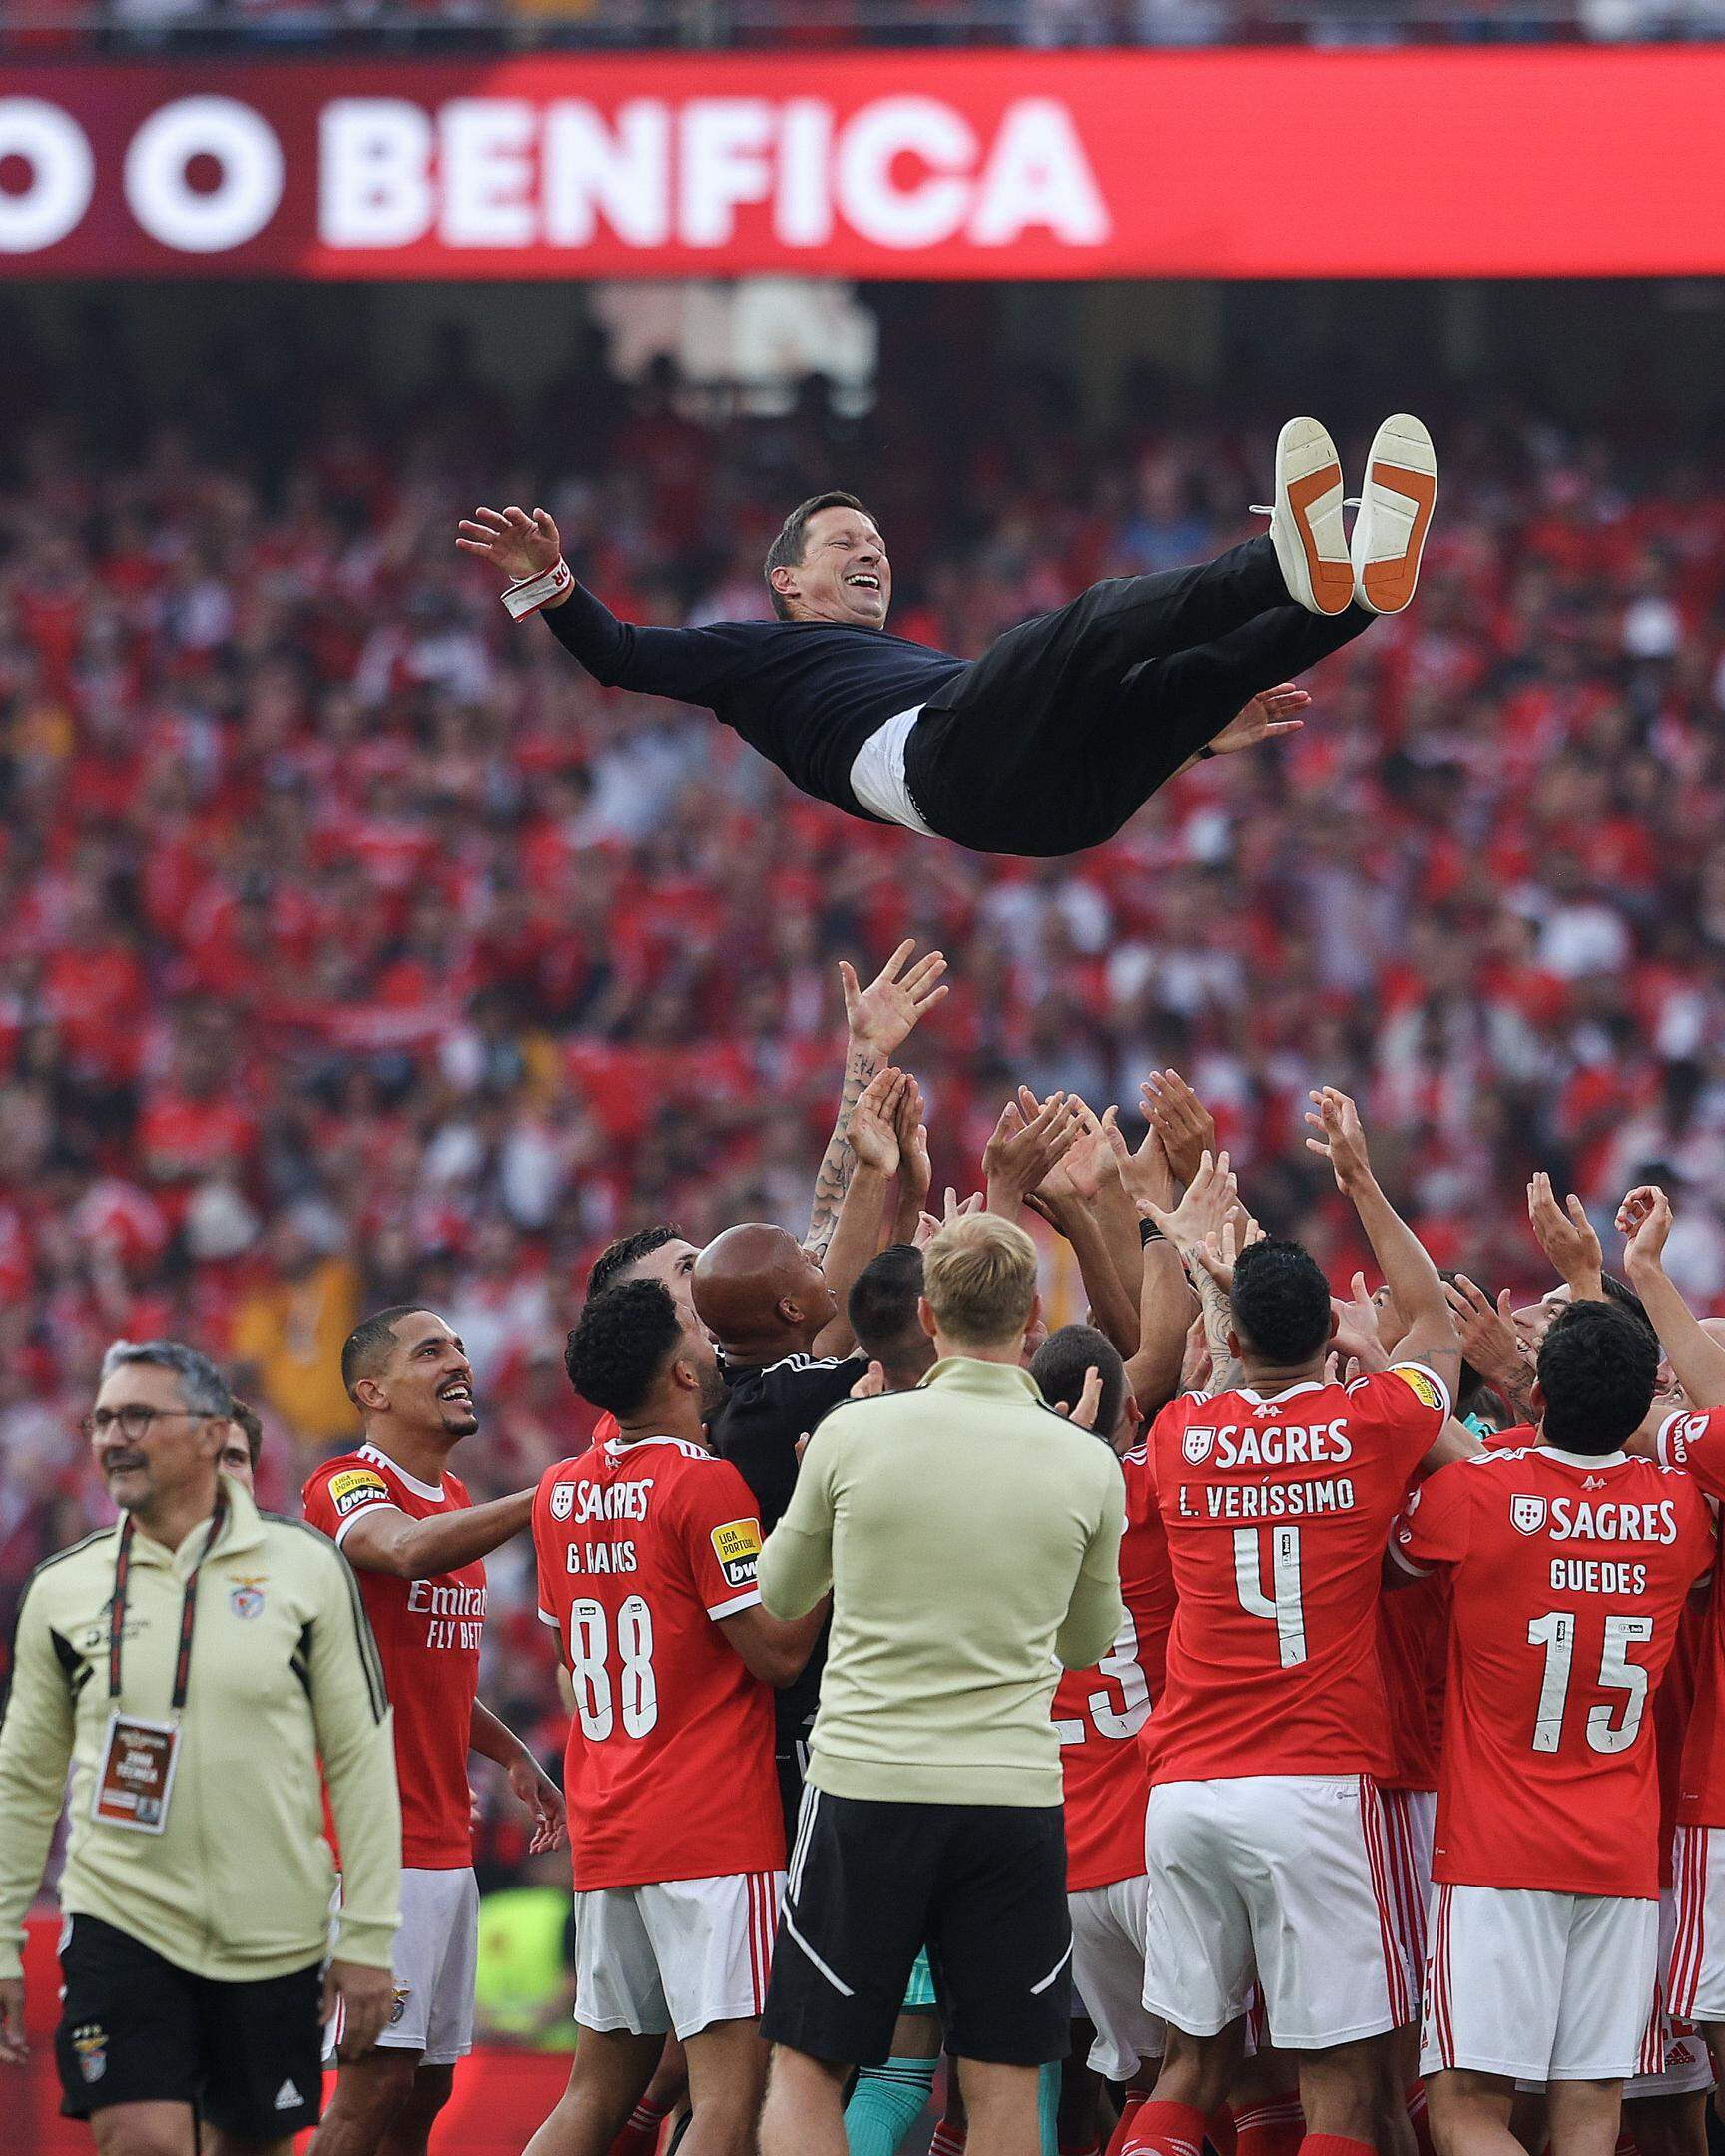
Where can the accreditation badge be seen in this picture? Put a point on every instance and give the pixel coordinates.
(135, 1778)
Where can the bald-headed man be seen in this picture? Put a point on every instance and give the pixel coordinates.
(768, 1306)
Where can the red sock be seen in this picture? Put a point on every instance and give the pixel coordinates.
(1419, 2119)
(1222, 2132)
(640, 2136)
(1269, 2129)
(948, 2140)
(1164, 2129)
(1136, 2099)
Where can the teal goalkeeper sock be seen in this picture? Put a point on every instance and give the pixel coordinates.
(1048, 2109)
(885, 2103)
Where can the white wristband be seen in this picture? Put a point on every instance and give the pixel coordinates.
(534, 592)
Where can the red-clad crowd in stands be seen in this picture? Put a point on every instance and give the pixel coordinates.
(354, 947)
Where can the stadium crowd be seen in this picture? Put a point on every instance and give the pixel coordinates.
(469, 25)
(354, 949)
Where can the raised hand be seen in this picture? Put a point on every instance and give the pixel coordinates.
(1180, 1120)
(1078, 1176)
(873, 1131)
(512, 541)
(883, 1015)
(1147, 1176)
(1644, 1218)
(1268, 715)
(1018, 1158)
(1566, 1236)
(1202, 1213)
(1343, 1143)
(914, 1171)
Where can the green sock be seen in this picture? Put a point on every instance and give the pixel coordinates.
(1048, 2109)
(885, 2103)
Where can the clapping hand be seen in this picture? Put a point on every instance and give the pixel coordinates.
(874, 1128)
(1018, 1156)
(1180, 1120)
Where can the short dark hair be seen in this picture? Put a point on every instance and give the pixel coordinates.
(628, 1249)
(786, 552)
(882, 1302)
(1061, 1361)
(621, 1343)
(1281, 1302)
(1624, 1296)
(366, 1347)
(1598, 1367)
(251, 1424)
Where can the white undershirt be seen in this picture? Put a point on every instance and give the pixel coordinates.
(878, 774)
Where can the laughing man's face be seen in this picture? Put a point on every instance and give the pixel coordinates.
(844, 575)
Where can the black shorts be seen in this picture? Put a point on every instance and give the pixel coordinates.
(134, 2029)
(868, 1883)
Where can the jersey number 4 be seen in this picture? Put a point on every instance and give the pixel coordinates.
(1282, 1606)
(1556, 1632)
(596, 1698)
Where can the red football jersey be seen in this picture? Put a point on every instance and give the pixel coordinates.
(1568, 1578)
(1099, 1712)
(428, 1634)
(1412, 1648)
(642, 1549)
(1278, 1512)
(1696, 1443)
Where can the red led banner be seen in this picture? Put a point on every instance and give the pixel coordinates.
(1494, 162)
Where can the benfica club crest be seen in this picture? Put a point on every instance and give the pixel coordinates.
(562, 1500)
(1526, 1514)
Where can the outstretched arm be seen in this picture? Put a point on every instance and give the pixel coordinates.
(1410, 1274)
(878, 1020)
(1697, 1359)
(690, 664)
(383, 1539)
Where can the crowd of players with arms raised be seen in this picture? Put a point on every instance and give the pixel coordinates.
(1390, 1811)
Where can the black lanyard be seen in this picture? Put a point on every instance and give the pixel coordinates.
(187, 1606)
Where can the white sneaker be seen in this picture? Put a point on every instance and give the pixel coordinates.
(1395, 515)
(1306, 519)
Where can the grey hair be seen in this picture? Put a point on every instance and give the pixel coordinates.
(203, 1386)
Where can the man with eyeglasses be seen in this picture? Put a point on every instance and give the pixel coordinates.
(203, 1671)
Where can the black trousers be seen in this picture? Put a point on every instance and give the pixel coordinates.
(1067, 724)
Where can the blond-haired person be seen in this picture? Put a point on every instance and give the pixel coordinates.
(970, 1539)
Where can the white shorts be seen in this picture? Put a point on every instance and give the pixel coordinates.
(1108, 1976)
(1409, 1827)
(1281, 1876)
(680, 1955)
(1684, 2063)
(1540, 1987)
(1695, 1979)
(437, 1958)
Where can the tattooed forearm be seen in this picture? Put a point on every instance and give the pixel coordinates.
(1226, 1371)
(833, 1177)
